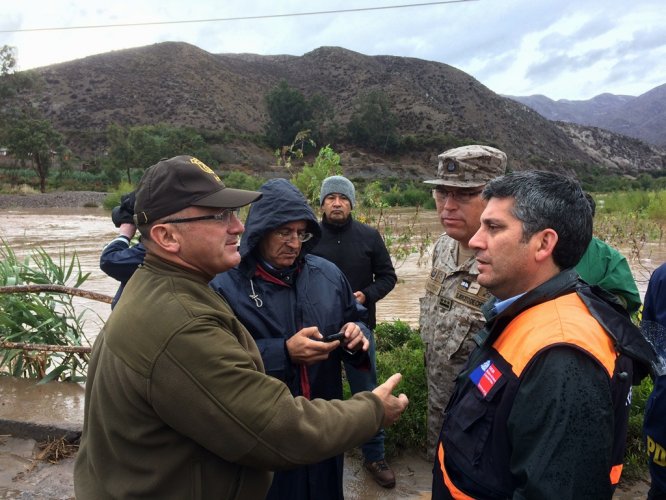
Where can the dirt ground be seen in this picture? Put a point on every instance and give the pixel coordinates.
(24, 477)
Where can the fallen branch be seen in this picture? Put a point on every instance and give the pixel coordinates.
(54, 450)
(57, 289)
(76, 349)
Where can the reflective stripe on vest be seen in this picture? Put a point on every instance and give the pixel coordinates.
(455, 492)
(616, 472)
(560, 321)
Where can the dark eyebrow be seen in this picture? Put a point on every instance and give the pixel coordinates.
(492, 220)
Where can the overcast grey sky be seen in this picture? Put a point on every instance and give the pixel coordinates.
(564, 49)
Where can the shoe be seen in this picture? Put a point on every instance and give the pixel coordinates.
(381, 473)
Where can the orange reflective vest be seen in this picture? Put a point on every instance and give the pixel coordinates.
(474, 455)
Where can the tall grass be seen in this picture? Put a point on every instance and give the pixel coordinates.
(40, 318)
(650, 204)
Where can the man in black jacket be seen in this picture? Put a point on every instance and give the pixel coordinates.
(542, 406)
(359, 251)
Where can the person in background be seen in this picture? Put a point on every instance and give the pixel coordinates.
(653, 326)
(541, 408)
(119, 258)
(603, 265)
(177, 402)
(289, 300)
(450, 311)
(360, 253)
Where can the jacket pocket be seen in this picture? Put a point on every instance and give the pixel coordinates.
(468, 424)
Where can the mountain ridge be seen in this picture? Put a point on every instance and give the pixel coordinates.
(182, 85)
(641, 117)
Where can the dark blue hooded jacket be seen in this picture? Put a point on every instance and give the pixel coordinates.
(318, 294)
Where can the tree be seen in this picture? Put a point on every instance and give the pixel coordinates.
(7, 60)
(28, 136)
(7, 64)
(11, 82)
(373, 124)
(35, 141)
(289, 113)
(145, 145)
(309, 179)
(325, 129)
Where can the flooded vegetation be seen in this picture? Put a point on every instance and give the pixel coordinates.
(86, 231)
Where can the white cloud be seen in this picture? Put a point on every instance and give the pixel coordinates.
(564, 49)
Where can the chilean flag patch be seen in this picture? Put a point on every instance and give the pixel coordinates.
(485, 376)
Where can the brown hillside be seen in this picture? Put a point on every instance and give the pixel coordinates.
(180, 84)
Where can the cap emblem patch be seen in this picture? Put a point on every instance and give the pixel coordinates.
(204, 167)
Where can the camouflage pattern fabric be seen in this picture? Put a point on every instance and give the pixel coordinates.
(450, 314)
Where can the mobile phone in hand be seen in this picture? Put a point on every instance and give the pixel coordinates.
(334, 336)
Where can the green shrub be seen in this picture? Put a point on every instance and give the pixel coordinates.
(18, 176)
(635, 461)
(113, 198)
(373, 124)
(429, 142)
(310, 178)
(240, 180)
(407, 195)
(400, 350)
(625, 202)
(656, 207)
(390, 336)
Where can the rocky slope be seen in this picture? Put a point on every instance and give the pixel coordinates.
(182, 85)
(642, 117)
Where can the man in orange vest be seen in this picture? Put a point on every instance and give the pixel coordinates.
(541, 408)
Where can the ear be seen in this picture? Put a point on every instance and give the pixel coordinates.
(545, 242)
(166, 237)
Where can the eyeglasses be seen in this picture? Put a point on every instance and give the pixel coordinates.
(287, 235)
(224, 217)
(460, 196)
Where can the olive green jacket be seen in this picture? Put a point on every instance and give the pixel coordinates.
(178, 405)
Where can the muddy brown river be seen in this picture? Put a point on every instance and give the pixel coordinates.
(87, 230)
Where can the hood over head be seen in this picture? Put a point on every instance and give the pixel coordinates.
(280, 204)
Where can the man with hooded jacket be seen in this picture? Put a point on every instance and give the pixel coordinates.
(289, 300)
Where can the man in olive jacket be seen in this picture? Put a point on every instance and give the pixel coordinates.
(177, 402)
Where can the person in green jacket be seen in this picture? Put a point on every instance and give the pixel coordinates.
(603, 265)
(177, 402)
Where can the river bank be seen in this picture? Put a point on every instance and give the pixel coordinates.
(55, 199)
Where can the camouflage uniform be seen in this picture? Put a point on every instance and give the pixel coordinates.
(451, 309)
(450, 315)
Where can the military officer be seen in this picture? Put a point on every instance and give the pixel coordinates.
(451, 309)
